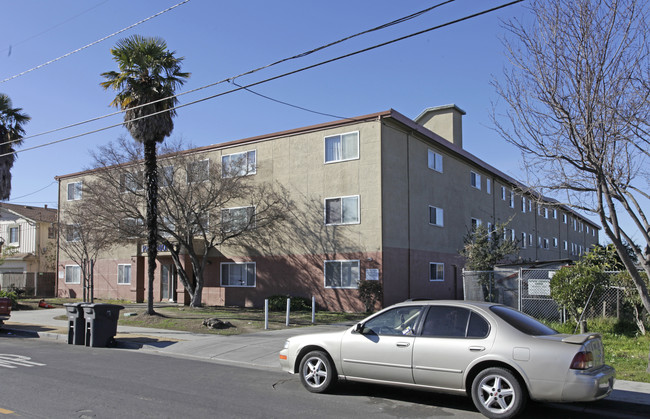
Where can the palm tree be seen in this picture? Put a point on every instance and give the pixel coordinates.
(11, 134)
(146, 81)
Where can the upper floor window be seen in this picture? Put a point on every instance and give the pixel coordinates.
(503, 193)
(342, 210)
(198, 171)
(342, 274)
(564, 218)
(475, 223)
(14, 235)
(72, 233)
(238, 274)
(123, 274)
(132, 227)
(342, 147)
(488, 185)
(74, 191)
(132, 181)
(554, 214)
(166, 176)
(436, 216)
(435, 161)
(239, 164)
(475, 180)
(524, 238)
(512, 199)
(523, 204)
(237, 219)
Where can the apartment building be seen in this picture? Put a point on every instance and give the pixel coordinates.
(379, 197)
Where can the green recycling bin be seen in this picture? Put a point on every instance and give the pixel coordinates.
(101, 324)
(76, 324)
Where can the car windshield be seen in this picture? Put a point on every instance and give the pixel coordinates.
(522, 322)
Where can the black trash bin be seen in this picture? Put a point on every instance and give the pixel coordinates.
(76, 324)
(101, 324)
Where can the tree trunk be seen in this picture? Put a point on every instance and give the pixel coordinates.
(151, 179)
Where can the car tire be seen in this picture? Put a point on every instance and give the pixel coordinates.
(498, 394)
(317, 373)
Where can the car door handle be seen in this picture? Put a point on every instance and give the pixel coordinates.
(403, 344)
(477, 348)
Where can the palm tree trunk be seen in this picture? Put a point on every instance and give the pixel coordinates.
(151, 179)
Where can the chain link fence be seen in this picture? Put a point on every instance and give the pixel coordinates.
(529, 291)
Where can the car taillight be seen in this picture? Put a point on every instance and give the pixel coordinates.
(582, 361)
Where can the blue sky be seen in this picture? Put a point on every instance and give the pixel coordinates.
(220, 39)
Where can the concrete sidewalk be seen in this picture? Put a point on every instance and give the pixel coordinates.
(256, 350)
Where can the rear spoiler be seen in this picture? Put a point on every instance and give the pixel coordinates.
(582, 338)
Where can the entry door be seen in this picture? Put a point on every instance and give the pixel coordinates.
(167, 282)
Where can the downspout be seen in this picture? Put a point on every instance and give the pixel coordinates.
(408, 215)
(58, 238)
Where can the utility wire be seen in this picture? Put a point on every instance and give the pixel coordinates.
(93, 43)
(279, 76)
(35, 192)
(229, 79)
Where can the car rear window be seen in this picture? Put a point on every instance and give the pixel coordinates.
(522, 322)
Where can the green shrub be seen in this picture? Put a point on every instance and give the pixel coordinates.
(279, 303)
(11, 295)
(370, 293)
(572, 287)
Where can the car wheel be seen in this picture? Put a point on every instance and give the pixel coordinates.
(497, 393)
(317, 372)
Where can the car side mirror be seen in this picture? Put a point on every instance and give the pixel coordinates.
(359, 328)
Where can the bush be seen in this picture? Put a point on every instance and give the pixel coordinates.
(279, 303)
(370, 293)
(11, 295)
(572, 286)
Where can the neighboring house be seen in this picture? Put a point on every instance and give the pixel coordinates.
(28, 237)
(379, 197)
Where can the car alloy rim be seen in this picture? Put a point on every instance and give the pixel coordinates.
(315, 372)
(496, 393)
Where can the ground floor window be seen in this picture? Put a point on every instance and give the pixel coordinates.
(238, 274)
(436, 271)
(123, 274)
(73, 274)
(341, 274)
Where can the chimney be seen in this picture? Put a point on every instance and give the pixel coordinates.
(446, 121)
(45, 206)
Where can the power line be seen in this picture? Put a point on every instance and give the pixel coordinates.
(33, 193)
(301, 55)
(93, 43)
(279, 76)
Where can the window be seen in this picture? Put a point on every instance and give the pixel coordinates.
(545, 242)
(554, 241)
(523, 204)
(503, 193)
(14, 235)
(545, 212)
(435, 161)
(132, 182)
(475, 180)
(238, 274)
(166, 176)
(436, 271)
(554, 214)
(564, 218)
(198, 171)
(475, 223)
(342, 210)
(72, 233)
(396, 322)
(513, 236)
(530, 240)
(523, 240)
(488, 185)
(566, 245)
(235, 220)
(522, 322)
(132, 227)
(342, 147)
(74, 191)
(436, 217)
(123, 274)
(73, 274)
(454, 322)
(239, 164)
(341, 274)
(512, 199)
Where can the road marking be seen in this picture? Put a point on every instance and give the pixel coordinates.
(6, 412)
(15, 361)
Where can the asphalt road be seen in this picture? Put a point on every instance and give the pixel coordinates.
(44, 379)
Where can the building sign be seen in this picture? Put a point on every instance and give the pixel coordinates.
(372, 274)
(539, 287)
(161, 248)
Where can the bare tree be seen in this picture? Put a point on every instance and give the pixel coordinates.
(82, 239)
(577, 93)
(201, 205)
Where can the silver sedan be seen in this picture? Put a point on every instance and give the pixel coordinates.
(496, 354)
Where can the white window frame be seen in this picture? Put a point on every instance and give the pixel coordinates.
(77, 191)
(434, 161)
(439, 268)
(512, 198)
(530, 240)
(488, 185)
(166, 176)
(523, 204)
(9, 234)
(555, 242)
(475, 180)
(564, 218)
(341, 147)
(78, 270)
(503, 193)
(351, 269)
(476, 223)
(341, 199)
(72, 233)
(439, 214)
(121, 274)
(193, 164)
(225, 212)
(524, 239)
(554, 213)
(242, 284)
(566, 245)
(248, 166)
(132, 182)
